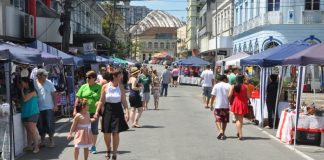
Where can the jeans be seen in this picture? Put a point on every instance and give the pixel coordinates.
(164, 87)
(46, 123)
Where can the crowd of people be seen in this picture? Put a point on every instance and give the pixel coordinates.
(100, 100)
(230, 94)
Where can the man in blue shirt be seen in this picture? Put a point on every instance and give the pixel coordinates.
(166, 79)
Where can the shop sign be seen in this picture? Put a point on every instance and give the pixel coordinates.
(88, 47)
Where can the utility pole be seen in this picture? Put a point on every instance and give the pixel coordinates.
(65, 28)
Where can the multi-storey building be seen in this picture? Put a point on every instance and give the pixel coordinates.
(261, 24)
(156, 33)
(26, 21)
(132, 14)
(193, 9)
(181, 42)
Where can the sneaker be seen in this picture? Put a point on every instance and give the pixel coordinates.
(223, 137)
(51, 144)
(36, 150)
(93, 150)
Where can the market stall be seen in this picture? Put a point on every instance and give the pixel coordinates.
(270, 58)
(308, 119)
(233, 60)
(190, 70)
(13, 58)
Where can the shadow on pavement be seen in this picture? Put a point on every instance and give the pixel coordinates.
(248, 138)
(119, 152)
(48, 153)
(150, 126)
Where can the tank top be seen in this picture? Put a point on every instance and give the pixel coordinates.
(113, 94)
(133, 92)
(30, 107)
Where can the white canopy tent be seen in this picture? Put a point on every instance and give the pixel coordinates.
(232, 60)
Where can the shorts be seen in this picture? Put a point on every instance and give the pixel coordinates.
(33, 118)
(221, 115)
(46, 123)
(175, 78)
(145, 96)
(135, 101)
(207, 91)
(94, 125)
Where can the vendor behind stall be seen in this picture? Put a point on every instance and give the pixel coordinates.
(272, 89)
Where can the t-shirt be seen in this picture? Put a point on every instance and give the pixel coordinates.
(175, 72)
(166, 76)
(30, 107)
(208, 77)
(231, 79)
(145, 80)
(220, 91)
(91, 93)
(45, 99)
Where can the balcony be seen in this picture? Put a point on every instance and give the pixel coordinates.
(269, 18)
(313, 17)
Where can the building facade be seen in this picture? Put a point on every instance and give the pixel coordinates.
(261, 24)
(192, 23)
(181, 42)
(156, 33)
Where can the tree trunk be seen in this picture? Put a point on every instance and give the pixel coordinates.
(66, 25)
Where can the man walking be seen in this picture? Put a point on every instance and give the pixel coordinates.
(221, 108)
(207, 82)
(166, 79)
(146, 80)
(47, 106)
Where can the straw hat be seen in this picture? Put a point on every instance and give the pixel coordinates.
(134, 70)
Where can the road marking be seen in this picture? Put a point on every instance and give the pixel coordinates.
(287, 146)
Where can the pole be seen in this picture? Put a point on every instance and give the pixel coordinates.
(215, 69)
(66, 16)
(301, 72)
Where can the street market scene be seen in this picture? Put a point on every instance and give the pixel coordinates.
(161, 79)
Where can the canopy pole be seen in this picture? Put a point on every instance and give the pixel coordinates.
(301, 73)
(7, 67)
(261, 97)
(282, 74)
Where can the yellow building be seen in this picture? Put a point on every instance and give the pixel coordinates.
(181, 42)
(156, 33)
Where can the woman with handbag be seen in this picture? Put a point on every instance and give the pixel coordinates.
(240, 96)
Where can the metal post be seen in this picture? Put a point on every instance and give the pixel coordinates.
(301, 72)
(216, 53)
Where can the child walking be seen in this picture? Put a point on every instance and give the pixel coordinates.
(82, 127)
(156, 90)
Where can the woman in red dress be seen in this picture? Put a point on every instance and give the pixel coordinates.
(240, 103)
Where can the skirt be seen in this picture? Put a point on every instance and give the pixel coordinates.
(113, 120)
(135, 101)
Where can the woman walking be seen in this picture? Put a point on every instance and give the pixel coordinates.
(115, 112)
(135, 99)
(156, 89)
(29, 113)
(90, 91)
(240, 96)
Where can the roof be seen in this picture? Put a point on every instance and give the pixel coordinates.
(156, 19)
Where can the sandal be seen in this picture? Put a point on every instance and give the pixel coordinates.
(136, 126)
(108, 154)
(114, 157)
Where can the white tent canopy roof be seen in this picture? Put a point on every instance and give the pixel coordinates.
(233, 60)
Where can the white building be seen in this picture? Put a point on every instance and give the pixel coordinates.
(263, 24)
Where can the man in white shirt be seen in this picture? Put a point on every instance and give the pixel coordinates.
(221, 108)
(207, 82)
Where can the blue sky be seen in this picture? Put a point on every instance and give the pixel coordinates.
(175, 7)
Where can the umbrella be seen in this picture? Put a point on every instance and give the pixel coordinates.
(194, 61)
(311, 55)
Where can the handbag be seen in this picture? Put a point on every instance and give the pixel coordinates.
(250, 115)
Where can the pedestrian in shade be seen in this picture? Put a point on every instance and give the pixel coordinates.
(90, 91)
(47, 106)
(115, 113)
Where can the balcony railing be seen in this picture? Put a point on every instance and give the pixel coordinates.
(313, 17)
(264, 19)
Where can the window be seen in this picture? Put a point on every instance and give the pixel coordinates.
(167, 45)
(246, 11)
(312, 4)
(241, 9)
(257, 12)
(273, 5)
(271, 45)
(20, 4)
(149, 46)
(156, 45)
(162, 45)
(174, 45)
(252, 9)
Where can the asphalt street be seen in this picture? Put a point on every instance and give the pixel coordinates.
(181, 130)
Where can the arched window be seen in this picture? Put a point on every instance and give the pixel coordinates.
(162, 45)
(271, 44)
(149, 46)
(156, 45)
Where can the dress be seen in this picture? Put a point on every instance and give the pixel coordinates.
(135, 99)
(113, 120)
(240, 102)
(83, 136)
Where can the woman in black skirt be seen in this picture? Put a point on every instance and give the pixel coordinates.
(115, 111)
(135, 99)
